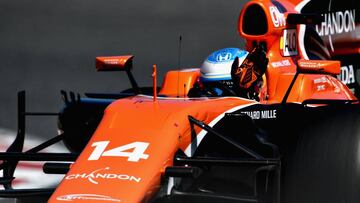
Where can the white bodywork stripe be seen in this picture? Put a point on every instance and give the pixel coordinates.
(302, 30)
(192, 98)
(301, 5)
(191, 148)
(170, 185)
(301, 41)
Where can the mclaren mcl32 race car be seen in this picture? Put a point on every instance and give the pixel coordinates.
(293, 137)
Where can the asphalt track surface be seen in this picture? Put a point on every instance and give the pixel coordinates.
(48, 46)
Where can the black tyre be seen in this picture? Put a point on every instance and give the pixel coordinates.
(324, 164)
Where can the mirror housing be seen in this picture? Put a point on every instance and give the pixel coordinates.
(308, 19)
(319, 66)
(114, 63)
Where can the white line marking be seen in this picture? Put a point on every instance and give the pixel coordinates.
(29, 174)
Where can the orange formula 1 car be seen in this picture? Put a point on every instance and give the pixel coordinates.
(297, 141)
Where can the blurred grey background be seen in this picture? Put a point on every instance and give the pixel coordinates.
(48, 46)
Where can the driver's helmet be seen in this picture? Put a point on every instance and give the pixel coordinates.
(215, 72)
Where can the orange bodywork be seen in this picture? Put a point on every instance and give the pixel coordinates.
(178, 83)
(137, 138)
(163, 125)
(282, 69)
(320, 66)
(113, 63)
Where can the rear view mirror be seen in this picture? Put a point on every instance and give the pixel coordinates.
(319, 66)
(114, 63)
